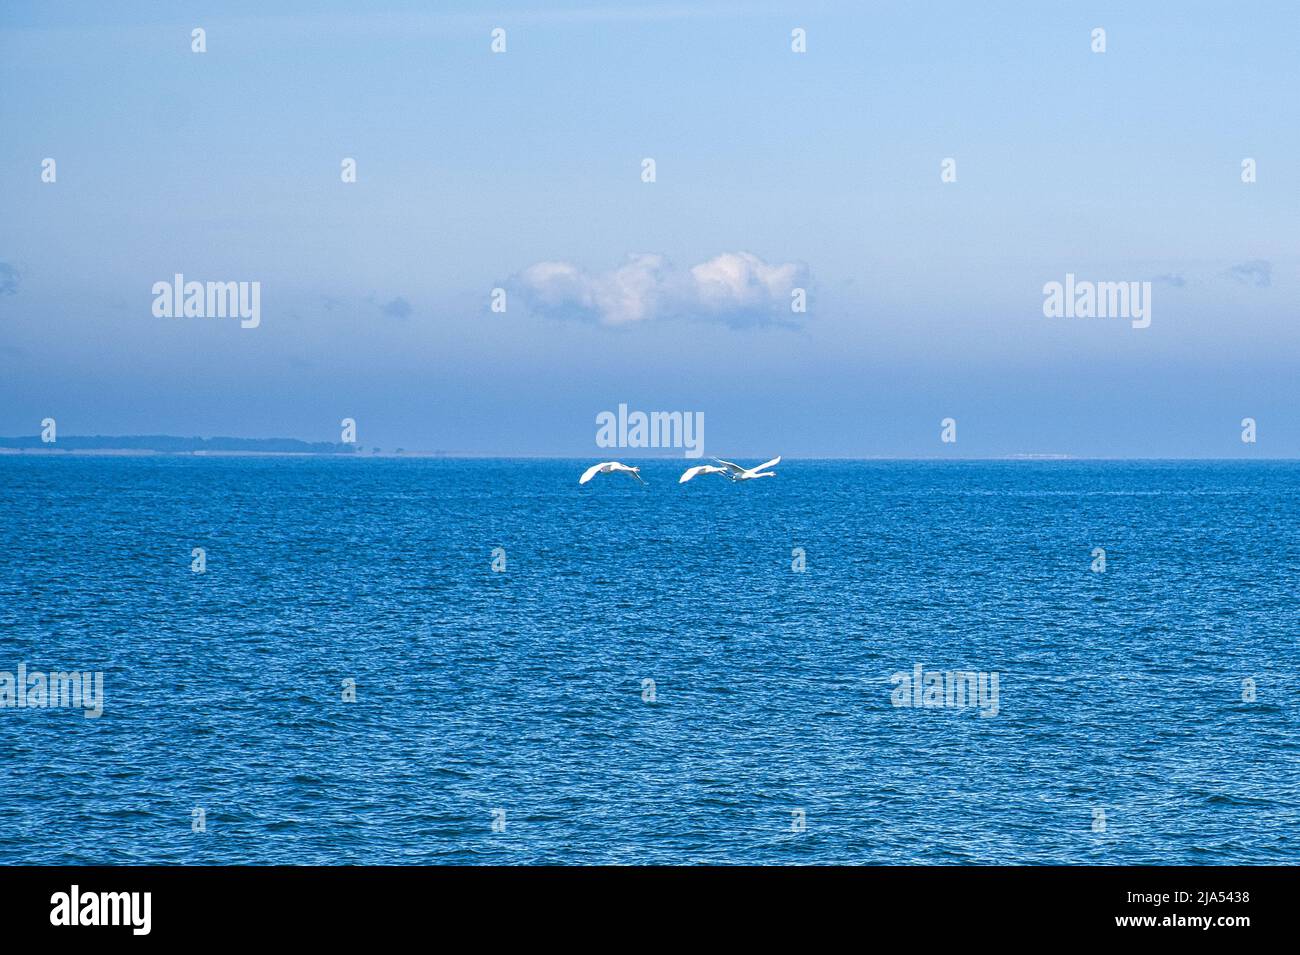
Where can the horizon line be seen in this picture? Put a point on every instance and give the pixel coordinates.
(6, 452)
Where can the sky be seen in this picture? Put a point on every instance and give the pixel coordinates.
(774, 170)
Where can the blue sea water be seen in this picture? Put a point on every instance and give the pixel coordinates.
(1120, 693)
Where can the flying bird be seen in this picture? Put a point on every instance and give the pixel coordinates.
(737, 473)
(608, 467)
(700, 469)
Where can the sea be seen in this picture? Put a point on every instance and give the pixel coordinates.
(327, 660)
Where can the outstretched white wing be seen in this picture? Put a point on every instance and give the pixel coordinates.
(591, 472)
(773, 463)
(734, 468)
(692, 472)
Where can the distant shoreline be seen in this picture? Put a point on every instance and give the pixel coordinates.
(57, 452)
(206, 453)
(129, 444)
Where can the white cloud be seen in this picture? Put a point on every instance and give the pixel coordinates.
(738, 288)
(1258, 272)
(742, 280)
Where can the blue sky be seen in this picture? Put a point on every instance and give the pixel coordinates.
(924, 298)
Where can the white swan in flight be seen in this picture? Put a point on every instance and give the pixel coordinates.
(608, 467)
(737, 473)
(700, 469)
